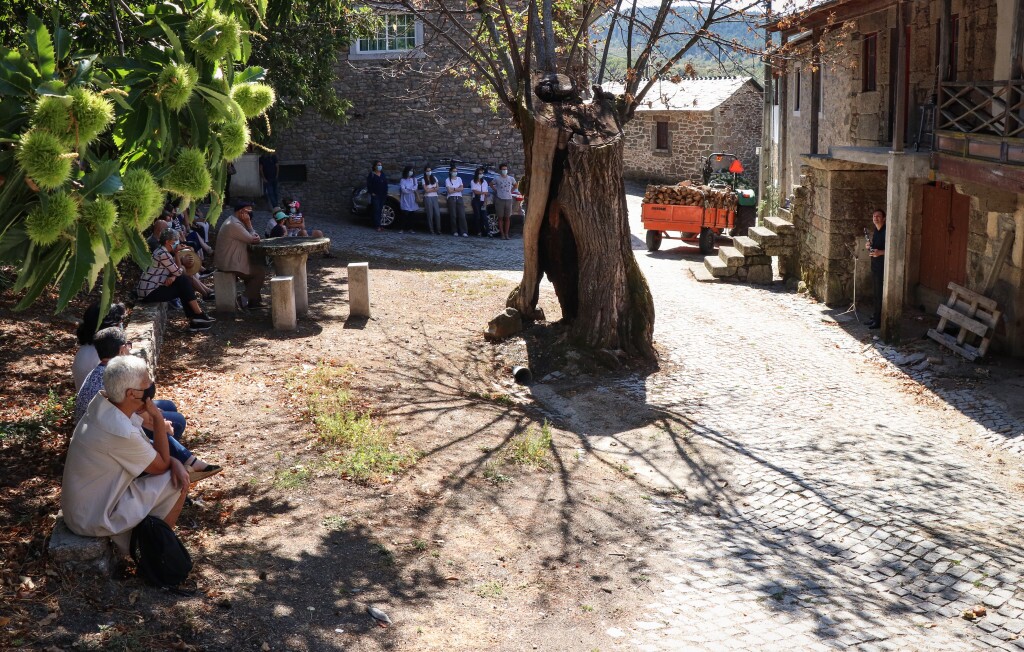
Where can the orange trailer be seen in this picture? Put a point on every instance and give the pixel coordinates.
(694, 223)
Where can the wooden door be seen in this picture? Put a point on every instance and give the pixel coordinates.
(944, 218)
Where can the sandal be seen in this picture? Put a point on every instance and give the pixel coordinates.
(195, 475)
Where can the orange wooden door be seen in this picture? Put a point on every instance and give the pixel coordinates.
(945, 215)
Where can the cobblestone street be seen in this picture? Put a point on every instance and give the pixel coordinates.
(858, 509)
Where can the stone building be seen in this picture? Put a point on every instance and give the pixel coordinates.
(407, 109)
(679, 123)
(917, 118)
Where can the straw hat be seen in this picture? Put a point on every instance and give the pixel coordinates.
(188, 260)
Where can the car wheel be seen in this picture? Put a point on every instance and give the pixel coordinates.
(387, 215)
(706, 241)
(492, 224)
(653, 240)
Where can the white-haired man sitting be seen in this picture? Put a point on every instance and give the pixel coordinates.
(105, 491)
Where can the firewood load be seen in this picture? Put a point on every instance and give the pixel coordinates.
(685, 194)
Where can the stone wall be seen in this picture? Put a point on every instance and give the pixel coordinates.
(831, 211)
(404, 112)
(734, 126)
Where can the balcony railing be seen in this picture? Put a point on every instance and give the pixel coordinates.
(983, 120)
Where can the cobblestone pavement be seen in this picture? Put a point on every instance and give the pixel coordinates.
(857, 510)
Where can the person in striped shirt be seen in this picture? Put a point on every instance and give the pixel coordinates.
(164, 280)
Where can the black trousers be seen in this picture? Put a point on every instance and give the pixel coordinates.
(180, 289)
(876, 294)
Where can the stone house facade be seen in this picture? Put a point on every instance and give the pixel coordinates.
(679, 123)
(407, 109)
(923, 118)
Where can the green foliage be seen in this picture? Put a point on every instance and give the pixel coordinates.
(531, 448)
(234, 138)
(44, 159)
(152, 112)
(51, 217)
(99, 215)
(176, 84)
(188, 177)
(91, 113)
(254, 99)
(140, 199)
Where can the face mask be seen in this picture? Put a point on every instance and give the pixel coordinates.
(379, 168)
(428, 172)
(150, 392)
(504, 173)
(479, 176)
(453, 175)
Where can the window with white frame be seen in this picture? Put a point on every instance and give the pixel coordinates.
(396, 34)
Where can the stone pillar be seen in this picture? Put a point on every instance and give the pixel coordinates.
(282, 303)
(359, 289)
(224, 288)
(902, 169)
(294, 265)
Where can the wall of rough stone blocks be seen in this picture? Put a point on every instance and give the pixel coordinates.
(735, 127)
(404, 112)
(831, 211)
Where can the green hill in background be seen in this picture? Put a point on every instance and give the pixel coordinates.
(707, 60)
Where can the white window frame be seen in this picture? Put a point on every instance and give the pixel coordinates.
(357, 53)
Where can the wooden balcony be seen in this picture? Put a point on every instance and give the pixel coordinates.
(982, 121)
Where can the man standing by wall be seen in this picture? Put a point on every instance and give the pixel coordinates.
(876, 250)
(269, 168)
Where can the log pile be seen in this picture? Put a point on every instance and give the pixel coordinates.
(685, 194)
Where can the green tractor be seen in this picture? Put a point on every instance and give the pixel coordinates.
(723, 170)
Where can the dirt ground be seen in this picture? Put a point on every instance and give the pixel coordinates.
(464, 550)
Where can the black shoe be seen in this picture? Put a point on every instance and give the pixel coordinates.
(874, 326)
(201, 320)
(196, 327)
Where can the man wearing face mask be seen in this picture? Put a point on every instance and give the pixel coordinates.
(503, 187)
(114, 476)
(377, 186)
(112, 343)
(456, 207)
(430, 201)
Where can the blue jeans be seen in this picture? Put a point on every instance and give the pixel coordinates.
(377, 205)
(177, 419)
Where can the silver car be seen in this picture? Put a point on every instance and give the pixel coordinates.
(360, 204)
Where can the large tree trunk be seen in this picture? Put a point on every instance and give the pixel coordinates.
(577, 228)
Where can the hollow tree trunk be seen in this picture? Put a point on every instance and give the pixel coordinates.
(577, 229)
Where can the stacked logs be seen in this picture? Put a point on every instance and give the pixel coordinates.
(685, 194)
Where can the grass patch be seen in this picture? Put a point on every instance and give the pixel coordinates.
(493, 474)
(531, 448)
(335, 522)
(356, 445)
(490, 590)
(292, 478)
(500, 398)
(56, 414)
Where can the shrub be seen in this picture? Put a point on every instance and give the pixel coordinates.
(44, 159)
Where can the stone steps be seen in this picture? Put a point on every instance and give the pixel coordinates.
(763, 236)
(779, 225)
(746, 246)
(718, 267)
(731, 256)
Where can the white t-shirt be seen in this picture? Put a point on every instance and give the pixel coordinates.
(102, 493)
(431, 189)
(481, 187)
(454, 186)
(85, 361)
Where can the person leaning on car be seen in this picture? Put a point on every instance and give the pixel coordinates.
(430, 201)
(377, 187)
(503, 186)
(456, 208)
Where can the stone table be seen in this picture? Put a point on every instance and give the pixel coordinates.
(289, 255)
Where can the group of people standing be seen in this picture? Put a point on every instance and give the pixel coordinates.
(428, 188)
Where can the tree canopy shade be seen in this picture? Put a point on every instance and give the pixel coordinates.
(92, 140)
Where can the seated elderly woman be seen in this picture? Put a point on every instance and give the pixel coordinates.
(104, 492)
(86, 358)
(164, 280)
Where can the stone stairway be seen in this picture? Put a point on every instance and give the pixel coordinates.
(750, 256)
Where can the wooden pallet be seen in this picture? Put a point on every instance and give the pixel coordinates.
(976, 315)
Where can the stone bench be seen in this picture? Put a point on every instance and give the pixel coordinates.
(224, 289)
(94, 554)
(282, 303)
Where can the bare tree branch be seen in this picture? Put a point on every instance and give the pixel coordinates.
(579, 35)
(607, 43)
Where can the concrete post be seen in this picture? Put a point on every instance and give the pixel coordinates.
(295, 266)
(282, 303)
(224, 288)
(359, 289)
(902, 169)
